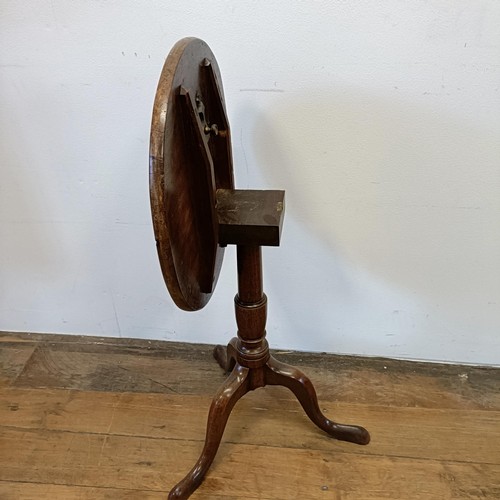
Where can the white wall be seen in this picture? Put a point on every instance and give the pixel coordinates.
(381, 120)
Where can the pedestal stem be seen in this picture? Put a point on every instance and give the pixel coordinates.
(251, 309)
(249, 273)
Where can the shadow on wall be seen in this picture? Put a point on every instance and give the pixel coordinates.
(403, 193)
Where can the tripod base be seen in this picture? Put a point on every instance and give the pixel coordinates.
(242, 380)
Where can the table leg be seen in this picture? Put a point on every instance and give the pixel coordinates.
(226, 356)
(236, 386)
(278, 373)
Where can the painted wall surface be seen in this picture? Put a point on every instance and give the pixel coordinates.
(381, 120)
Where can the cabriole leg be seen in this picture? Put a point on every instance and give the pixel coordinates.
(278, 373)
(226, 356)
(233, 389)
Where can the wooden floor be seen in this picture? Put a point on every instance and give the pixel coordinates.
(93, 418)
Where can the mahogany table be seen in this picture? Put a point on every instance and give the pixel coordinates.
(196, 213)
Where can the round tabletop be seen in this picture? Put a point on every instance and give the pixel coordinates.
(190, 158)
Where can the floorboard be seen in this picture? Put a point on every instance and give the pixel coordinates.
(86, 417)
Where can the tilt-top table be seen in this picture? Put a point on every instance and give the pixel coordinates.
(196, 213)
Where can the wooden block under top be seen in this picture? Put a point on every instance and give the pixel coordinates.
(250, 217)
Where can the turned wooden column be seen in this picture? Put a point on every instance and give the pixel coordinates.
(251, 308)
